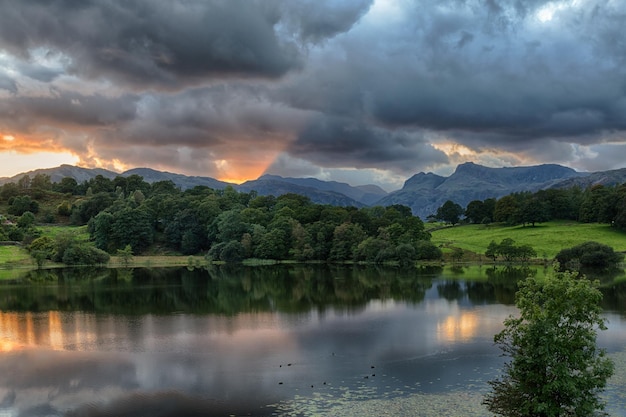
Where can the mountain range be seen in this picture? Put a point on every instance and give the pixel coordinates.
(423, 192)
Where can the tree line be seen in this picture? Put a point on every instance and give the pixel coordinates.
(596, 204)
(231, 226)
(224, 224)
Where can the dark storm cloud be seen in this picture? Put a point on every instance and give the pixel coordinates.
(172, 43)
(528, 79)
(332, 83)
(209, 116)
(63, 108)
(338, 142)
(490, 73)
(316, 20)
(144, 43)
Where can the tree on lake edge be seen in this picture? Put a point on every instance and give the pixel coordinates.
(556, 368)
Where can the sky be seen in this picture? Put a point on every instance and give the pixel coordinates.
(358, 91)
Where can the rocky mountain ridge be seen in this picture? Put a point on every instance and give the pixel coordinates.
(423, 192)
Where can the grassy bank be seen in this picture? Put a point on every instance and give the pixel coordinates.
(547, 238)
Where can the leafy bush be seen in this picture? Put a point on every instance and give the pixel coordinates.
(84, 254)
(21, 204)
(427, 250)
(64, 209)
(43, 245)
(589, 254)
(232, 252)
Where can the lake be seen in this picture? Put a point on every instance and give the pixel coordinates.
(265, 341)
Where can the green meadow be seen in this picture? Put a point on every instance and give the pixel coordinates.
(546, 238)
(14, 255)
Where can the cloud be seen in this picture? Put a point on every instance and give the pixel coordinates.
(318, 20)
(8, 84)
(287, 166)
(151, 43)
(339, 142)
(167, 44)
(600, 157)
(213, 88)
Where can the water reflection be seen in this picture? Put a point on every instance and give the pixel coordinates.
(230, 291)
(226, 341)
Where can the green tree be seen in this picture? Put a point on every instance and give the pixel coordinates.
(449, 212)
(406, 254)
(24, 182)
(533, 210)
(90, 207)
(232, 252)
(346, 238)
(457, 254)
(41, 182)
(131, 226)
(9, 190)
(39, 257)
(475, 212)
(492, 250)
(599, 204)
(21, 204)
(100, 230)
(41, 249)
(67, 185)
(426, 250)
(556, 369)
(505, 210)
(126, 255)
(26, 220)
(507, 249)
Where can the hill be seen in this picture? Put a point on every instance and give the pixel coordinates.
(547, 239)
(364, 194)
(60, 172)
(267, 185)
(424, 193)
(183, 181)
(616, 176)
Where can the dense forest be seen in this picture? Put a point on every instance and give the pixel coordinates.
(130, 213)
(223, 224)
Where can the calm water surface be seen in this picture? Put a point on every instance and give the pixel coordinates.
(262, 341)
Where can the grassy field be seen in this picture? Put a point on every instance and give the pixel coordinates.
(14, 255)
(80, 232)
(546, 238)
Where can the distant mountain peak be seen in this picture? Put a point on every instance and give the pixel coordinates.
(424, 193)
(424, 180)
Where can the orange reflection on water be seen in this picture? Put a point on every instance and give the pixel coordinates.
(51, 330)
(9, 329)
(55, 330)
(456, 328)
